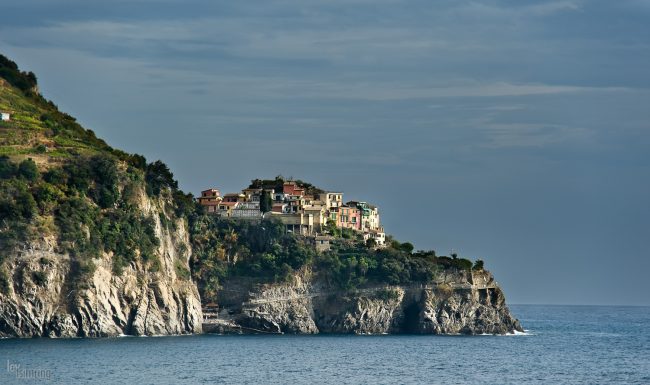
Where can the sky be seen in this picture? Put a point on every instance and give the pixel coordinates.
(517, 132)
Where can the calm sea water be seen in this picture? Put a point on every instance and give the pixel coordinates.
(564, 345)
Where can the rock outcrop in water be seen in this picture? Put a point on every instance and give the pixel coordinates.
(457, 303)
(43, 301)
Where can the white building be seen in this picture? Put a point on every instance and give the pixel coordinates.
(330, 199)
(378, 236)
(246, 210)
(5, 116)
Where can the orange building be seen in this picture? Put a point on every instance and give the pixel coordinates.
(210, 200)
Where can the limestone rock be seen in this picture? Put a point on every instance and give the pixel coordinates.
(459, 303)
(41, 301)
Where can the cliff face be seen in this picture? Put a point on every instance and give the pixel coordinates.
(43, 301)
(457, 303)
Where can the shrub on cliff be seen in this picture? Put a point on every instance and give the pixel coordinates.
(83, 199)
(25, 81)
(28, 170)
(8, 169)
(16, 201)
(387, 295)
(263, 251)
(158, 176)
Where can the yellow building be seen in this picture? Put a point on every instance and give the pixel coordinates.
(298, 223)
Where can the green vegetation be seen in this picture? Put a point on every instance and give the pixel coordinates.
(265, 252)
(39, 278)
(83, 200)
(73, 186)
(159, 177)
(4, 281)
(27, 169)
(181, 270)
(266, 202)
(24, 81)
(387, 295)
(225, 248)
(37, 128)
(351, 264)
(278, 183)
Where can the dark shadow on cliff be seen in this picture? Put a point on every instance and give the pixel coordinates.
(411, 322)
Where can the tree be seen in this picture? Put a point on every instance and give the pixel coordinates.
(158, 177)
(330, 228)
(266, 203)
(7, 168)
(137, 161)
(28, 170)
(104, 169)
(407, 247)
(478, 265)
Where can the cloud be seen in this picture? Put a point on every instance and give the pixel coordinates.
(554, 7)
(498, 89)
(501, 135)
(494, 10)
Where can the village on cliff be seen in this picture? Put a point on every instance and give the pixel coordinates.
(304, 210)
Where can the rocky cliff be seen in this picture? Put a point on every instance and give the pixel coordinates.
(458, 302)
(43, 298)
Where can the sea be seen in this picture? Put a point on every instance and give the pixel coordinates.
(561, 345)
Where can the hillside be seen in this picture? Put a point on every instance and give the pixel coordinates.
(91, 238)
(98, 242)
(37, 128)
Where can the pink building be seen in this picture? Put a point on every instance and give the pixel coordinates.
(280, 208)
(210, 200)
(347, 217)
(292, 188)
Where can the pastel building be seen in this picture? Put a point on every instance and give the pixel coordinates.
(210, 200)
(279, 196)
(225, 208)
(301, 213)
(234, 197)
(346, 217)
(330, 199)
(298, 223)
(320, 216)
(252, 194)
(378, 236)
(296, 203)
(369, 215)
(280, 208)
